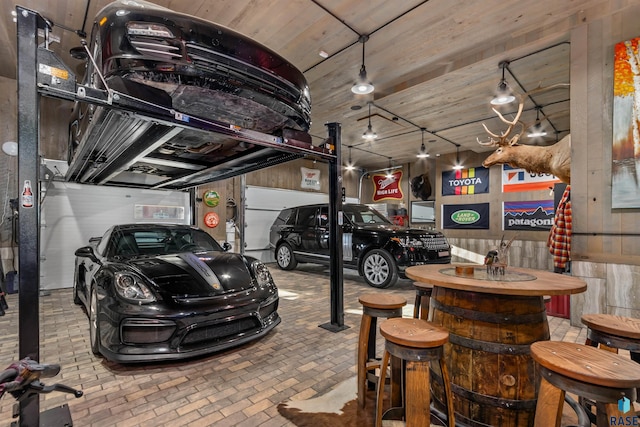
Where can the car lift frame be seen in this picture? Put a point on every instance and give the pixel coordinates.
(41, 72)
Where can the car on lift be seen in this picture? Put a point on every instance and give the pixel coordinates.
(155, 59)
(166, 292)
(377, 248)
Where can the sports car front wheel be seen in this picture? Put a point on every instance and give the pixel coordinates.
(378, 269)
(94, 328)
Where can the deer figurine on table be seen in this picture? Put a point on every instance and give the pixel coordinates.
(554, 159)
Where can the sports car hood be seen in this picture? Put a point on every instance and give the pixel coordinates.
(191, 275)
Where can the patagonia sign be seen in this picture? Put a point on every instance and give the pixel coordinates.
(473, 216)
(535, 215)
(387, 187)
(465, 181)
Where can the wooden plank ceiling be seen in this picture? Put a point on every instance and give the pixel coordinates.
(434, 63)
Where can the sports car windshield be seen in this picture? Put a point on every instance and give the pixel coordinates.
(365, 215)
(162, 241)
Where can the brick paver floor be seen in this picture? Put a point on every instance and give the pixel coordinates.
(240, 387)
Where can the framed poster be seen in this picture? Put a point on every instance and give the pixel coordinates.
(625, 155)
(534, 215)
(465, 181)
(518, 179)
(387, 186)
(466, 216)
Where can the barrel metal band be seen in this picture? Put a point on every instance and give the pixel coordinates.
(491, 347)
(500, 318)
(382, 312)
(483, 399)
(589, 391)
(613, 340)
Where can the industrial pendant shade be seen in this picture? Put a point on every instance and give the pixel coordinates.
(458, 165)
(369, 134)
(363, 86)
(503, 93)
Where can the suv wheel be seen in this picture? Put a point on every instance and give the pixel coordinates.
(285, 258)
(378, 269)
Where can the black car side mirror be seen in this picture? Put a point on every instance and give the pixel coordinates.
(226, 246)
(86, 252)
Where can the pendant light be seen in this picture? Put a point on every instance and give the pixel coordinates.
(458, 165)
(350, 166)
(503, 93)
(363, 86)
(537, 130)
(423, 150)
(369, 134)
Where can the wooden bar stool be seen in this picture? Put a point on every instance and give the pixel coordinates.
(613, 332)
(412, 343)
(423, 299)
(600, 375)
(374, 305)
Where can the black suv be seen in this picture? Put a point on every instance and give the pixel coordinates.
(379, 249)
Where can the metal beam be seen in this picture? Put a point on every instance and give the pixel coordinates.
(335, 233)
(29, 205)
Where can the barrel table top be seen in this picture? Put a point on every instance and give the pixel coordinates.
(515, 281)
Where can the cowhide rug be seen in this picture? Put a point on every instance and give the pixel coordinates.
(339, 408)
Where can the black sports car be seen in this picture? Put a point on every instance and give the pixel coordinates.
(159, 59)
(160, 292)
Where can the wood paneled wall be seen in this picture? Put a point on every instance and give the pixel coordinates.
(601, 234)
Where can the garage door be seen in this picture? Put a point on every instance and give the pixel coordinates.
(72, 213)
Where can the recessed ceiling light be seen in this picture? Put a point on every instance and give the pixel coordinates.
(323, 54)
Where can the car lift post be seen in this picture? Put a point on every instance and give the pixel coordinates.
(29, 212)
(335, 233)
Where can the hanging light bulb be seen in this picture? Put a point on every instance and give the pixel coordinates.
(537, 130)
(390, 169)
(369, 134)
(350, 165)
(503, 93)
(458, 165)
(363, 86)
(423, 150)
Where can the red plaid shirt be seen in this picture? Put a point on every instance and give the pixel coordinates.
(559, 241)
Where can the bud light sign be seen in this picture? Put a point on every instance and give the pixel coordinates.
(472, 216)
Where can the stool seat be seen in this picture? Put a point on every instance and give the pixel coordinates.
(410, 345)
(382, 301)
(587, 364)
(606, 378)
(621, 326)
(416, 333)
(374, 306)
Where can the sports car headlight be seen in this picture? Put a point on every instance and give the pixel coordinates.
(130, 287)
(148, 29)
(263, 277)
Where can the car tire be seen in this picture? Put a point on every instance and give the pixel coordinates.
(94, 325)
(285, 258)
(378, 269)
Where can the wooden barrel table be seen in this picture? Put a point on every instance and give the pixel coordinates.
(492, 321)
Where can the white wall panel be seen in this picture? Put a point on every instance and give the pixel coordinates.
(72, 213)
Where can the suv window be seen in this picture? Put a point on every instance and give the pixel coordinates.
(307, 216)
(285, 217)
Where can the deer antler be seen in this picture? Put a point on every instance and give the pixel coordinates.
(502, 138)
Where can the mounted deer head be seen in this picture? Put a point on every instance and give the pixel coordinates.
(554, 159)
